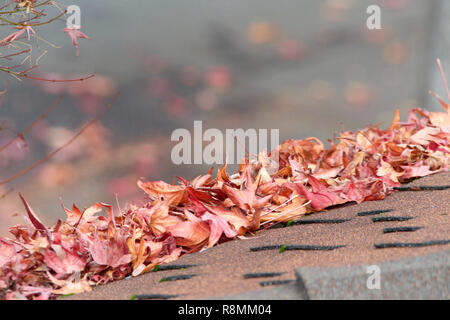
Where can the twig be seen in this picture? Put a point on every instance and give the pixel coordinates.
(50, 155)
(31, 126)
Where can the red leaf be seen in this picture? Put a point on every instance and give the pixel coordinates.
(33, 218)
(112, 252)
(218, 225)
(70, 263)
(246, 199)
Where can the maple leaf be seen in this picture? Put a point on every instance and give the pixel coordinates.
(386, 169)
(190, 233)
(69, 286)
(174, 255)
(74, 34)
(323, 173)
(320, 196)
(158, 217)
(218, 226)
(69, 262)
(363, 143)
(291, 209)
(33, 218)
(352, 193)
(425, 135)
(318, 201)
(173, 195)
(75, 216)
(202, 181)
(246, 199)
(147, 250)
(417, 170)
(234, 217)
(110, 252)
(42, 292)
(222, 175)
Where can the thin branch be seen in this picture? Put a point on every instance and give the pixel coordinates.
(50, 155)
(32, 24)
(28, 129)
(21, 9)
(24, 75)
(441, 70)
(8, 56)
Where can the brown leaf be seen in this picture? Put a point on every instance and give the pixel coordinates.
(160, 190)
(190, 233)
(246, 199)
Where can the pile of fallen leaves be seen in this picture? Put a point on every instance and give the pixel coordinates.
(98, 245)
